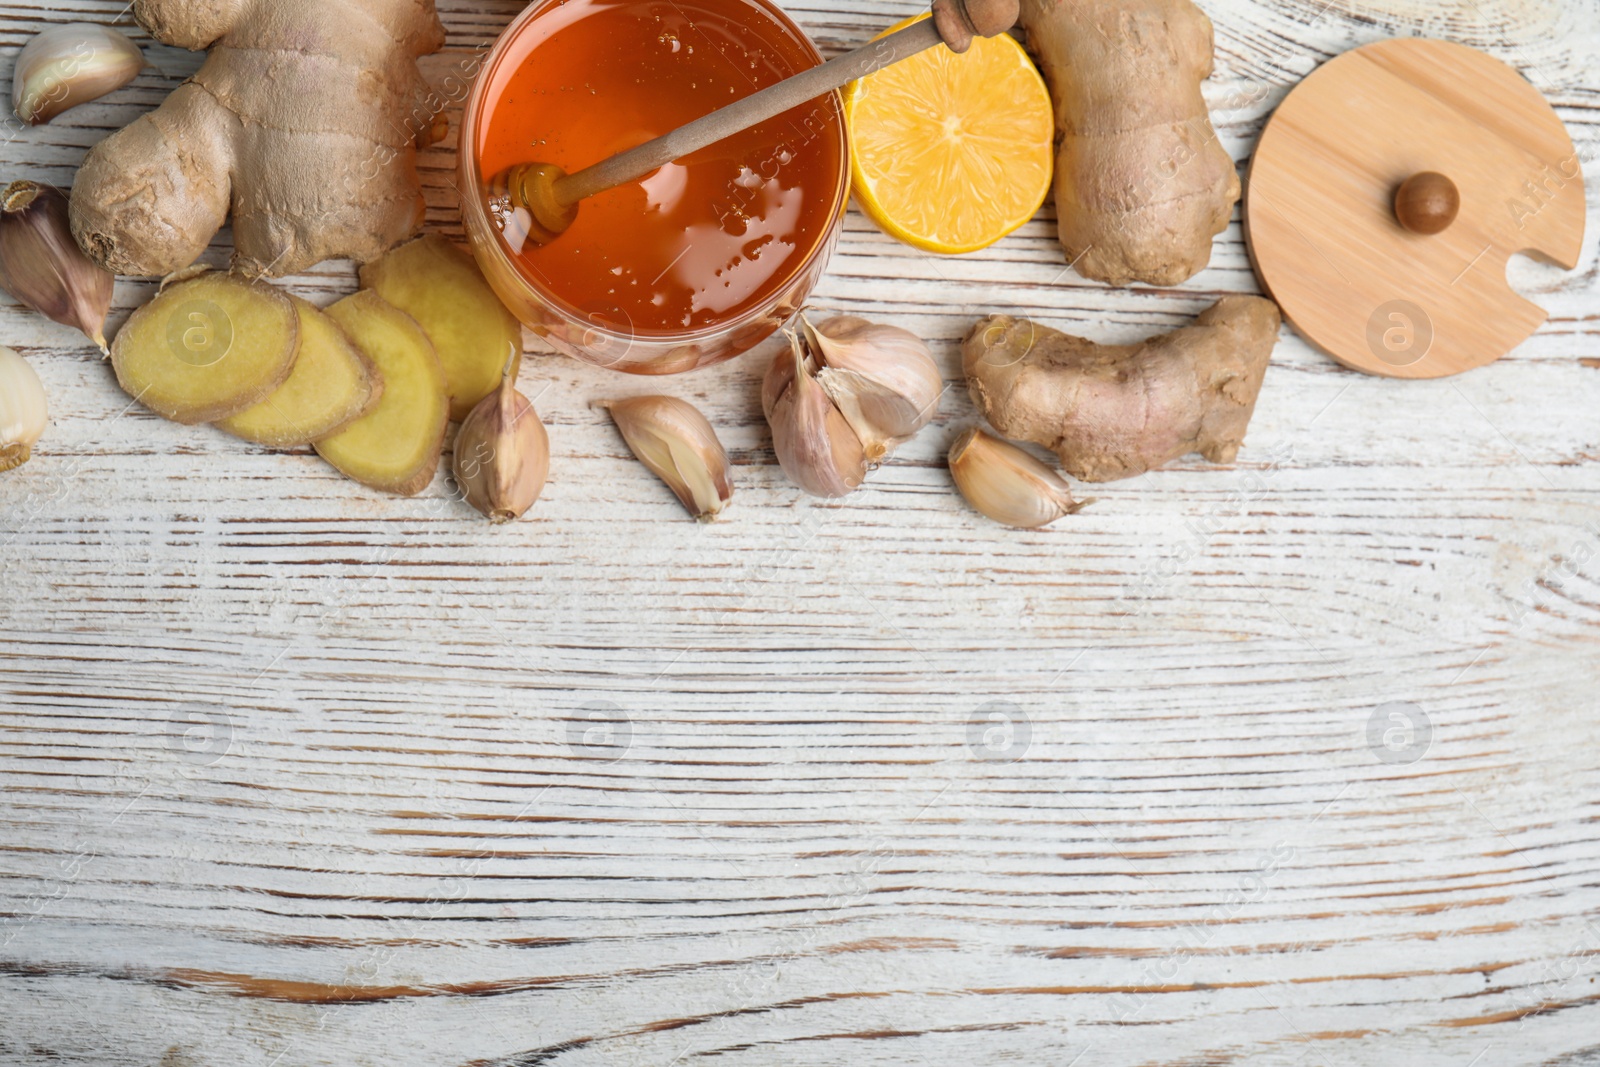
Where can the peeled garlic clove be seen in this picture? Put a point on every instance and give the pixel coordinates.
(65, 66)
(1007, 484)
(816, 447)
(42, 266)
(883, 379)
(502, 455)
(23, 410)
(676, 442)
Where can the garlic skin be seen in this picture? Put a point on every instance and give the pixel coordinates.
(24, 411)
(1007, 484)
(882, 379)
(815, 444)
(680, 446)
(42, 265)
(68, 65)
(502, 453)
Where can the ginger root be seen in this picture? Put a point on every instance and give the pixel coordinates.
(1115, 411)
(303, 122)
(1142, 184)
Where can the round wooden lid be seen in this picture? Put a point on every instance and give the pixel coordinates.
(1320, 206)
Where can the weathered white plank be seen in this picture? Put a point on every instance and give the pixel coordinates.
(295, 774)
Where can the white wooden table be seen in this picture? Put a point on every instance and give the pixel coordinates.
(1291, 763)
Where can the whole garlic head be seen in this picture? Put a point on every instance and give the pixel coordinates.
(844, 397)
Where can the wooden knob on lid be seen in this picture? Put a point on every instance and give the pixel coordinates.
(1427, 203)
(959, 21)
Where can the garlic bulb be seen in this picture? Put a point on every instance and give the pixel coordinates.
(502, 454)
(65, 66)
(883, 379)
(1007, 484)
(42, 266)
(816, 447)
(23, 410)
(676, 442)
(846, 396)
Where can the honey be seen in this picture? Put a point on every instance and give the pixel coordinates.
(701, 241)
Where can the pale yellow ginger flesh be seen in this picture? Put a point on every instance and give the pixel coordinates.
(396, 446)
(441, 287)
(333, 384)
(1142, 184)
(1115, 411)
(302, 123)
(207, 348)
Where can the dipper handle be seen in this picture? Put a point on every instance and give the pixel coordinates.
(955, 23)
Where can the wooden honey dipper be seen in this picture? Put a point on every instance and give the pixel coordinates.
(550, 196)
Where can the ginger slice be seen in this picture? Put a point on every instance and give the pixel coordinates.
(441, 287)
(332, 385)
(207, 348)
(396, 446)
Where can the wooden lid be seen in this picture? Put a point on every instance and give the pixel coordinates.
(1320, 218)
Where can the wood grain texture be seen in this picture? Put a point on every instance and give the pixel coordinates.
(1290, 763)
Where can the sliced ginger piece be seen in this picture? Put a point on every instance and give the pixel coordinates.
(441, 287)
(332, 385)
(396, 446)
(207, 347)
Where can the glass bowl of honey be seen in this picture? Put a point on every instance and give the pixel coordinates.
(705, 257)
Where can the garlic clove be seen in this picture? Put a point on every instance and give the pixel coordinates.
(676, 442)
(883, 379)
(42, 265)
(502, 453)
(1007, 484)
(24, 411)
(779, 378)
(815, 445)
(68, 65)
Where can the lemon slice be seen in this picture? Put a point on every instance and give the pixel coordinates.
(948, 152)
